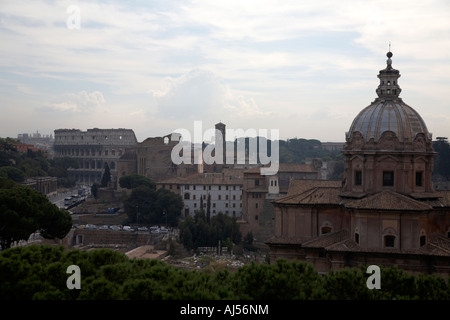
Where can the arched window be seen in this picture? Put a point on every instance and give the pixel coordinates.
(326, 230)
(186, 196)
(326, 227)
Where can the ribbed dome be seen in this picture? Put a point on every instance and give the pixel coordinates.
(388, 112)
(390, 115)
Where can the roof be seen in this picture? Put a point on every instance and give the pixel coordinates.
(286, 167)
(328, 192)
(395, 116)
(205, 179)
(313, 196)
(388, 200)
(299, 186)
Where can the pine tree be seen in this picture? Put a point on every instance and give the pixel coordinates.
(106, 178)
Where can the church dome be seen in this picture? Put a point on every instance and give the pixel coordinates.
(388, 114)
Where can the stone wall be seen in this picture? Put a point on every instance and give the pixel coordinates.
(111, 238)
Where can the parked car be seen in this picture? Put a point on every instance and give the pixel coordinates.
(154, 230)
(164, 230)
(116, 228)
(143, 228)
(91, 226)
(104, 227)
(127, 228)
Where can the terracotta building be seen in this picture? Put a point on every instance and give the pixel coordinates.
(258, 192)
(385, 210)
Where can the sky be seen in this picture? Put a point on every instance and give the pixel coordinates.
(304, 68)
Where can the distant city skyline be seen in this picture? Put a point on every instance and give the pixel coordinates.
(305, 68)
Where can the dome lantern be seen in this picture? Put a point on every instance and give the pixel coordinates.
(388, 88)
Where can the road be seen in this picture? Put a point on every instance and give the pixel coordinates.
(58, 199)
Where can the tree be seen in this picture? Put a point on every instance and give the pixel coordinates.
(200, 233)
(208, 208)
(12, 173)
(146, 205)
(24, 211)
(106, 178)
(94, 189)
(442, 159)
(131, 181)
(248, 242)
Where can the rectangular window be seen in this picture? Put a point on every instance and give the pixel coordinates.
(358, 178)
(389, 241)
(419, 179)
(388, 178)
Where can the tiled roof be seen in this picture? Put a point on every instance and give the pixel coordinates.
(318, 195)
(327, 239)
(286, 240)
(205, 179)
(316, 192)
(437, 245)
(299, 186)
(286, 167)
(444, 198)
(388, 200)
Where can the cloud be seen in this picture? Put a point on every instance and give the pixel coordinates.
(200, 94)
(81, 102)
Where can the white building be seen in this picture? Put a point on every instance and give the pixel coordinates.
(224, 189)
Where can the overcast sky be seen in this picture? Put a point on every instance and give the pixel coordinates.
(305, 68)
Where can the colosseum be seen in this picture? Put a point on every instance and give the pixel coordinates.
(93, 148)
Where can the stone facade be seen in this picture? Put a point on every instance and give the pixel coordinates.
(93, 148)
(45, 185)
(152, 159)
(259, 191)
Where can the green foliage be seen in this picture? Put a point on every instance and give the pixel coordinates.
(197, 232)
(248, 242)
(94, 189)
(40, 272)
(147, 205)
(24, 211)
(442, 159)
(106, 178)
(12, 173)
(131, 181)
(298, 150)
(18, 166)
